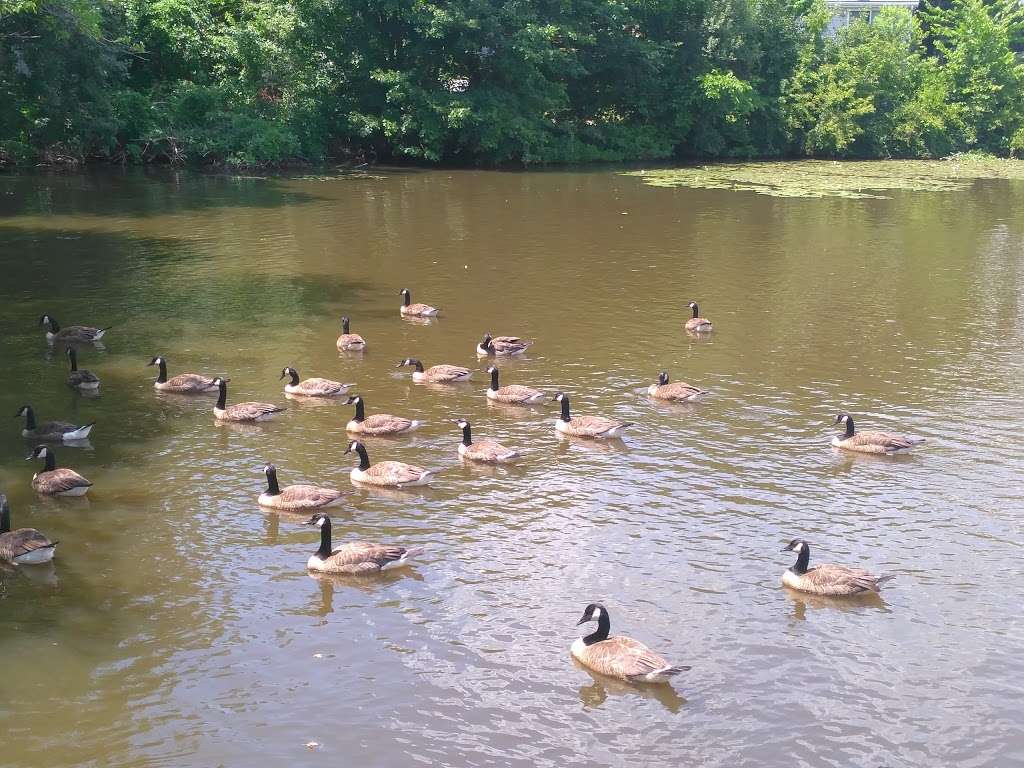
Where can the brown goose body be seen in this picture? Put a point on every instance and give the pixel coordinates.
(697, 324)
(619, 656)
(81, 378)
(24, 546)
(52, 431)
(296, 498)
(356, 557)
(675, 391)
(73, 334)
(514, 394)
(349, 342)
(415, 310)
(378, 423)
(241, 412)
(502, 346)
(828, 579)
(54, 480)
(876, 442)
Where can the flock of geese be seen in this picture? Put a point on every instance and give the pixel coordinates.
(617, 656)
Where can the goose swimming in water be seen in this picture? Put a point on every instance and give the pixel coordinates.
(619, 656)
(677, 391)
(513, 394)
(312, 387)
(437, 374)
(502, 346)
(872, 441)
(415, 310)
(241, 412)
(697, 324)
(356, 557)
(83, 380)
(25, 546)
(183, 383)
(296, 498)
(378, 423)
(827, 579)
(52, 431)
(349, 342)
(587, 426)
(483, 450)
(394, 474)
(73, 334)
(53, 481)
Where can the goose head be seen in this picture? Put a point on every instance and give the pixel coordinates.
(288, 371)
(353, 399)
(592, 612)
(663, 378)
(23, 411)
(156, 361)
(353, 447)
(796, 545)
(842, 418)
(39, 452)
(319, 519)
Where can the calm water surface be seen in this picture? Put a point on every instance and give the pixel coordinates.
(179, 627)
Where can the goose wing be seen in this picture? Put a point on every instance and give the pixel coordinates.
(60, 480)
(350, 339)
(677, 390)
(322, 387)
(250, 411)
(594, 425)
(624, 657)
(831, 579)
(82, 376)
(85, 332)
(516, 393)
(382, 423)
(489, 450)
(886, 441)
(419, 309)
(303, 496)
(363, 557)
(21, 542)
(189, 382)
(394, 472)
(54, 428)
(444, 372)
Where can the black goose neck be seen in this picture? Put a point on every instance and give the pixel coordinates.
(849, 426)
(407, 298)
(162, 377)
(54, 326)
(696, 311)
(418, 366)
(222, 395)
(604, 626)
(360, 410)
(364, 458)
(273, 489)
(344, 325)
(800, 567)
(5, 517)
(73, 357)
(494, 380)
(325, 538)
(467, 435)
(294, 377)
(51, 462)
(30, 418)
(565, 409)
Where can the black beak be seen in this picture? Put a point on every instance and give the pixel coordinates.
(150, 363)
(584, 620)
(787, 549)
(283, 374)
(347, 450)
(309, 522)
(30, 457)
(400, 364)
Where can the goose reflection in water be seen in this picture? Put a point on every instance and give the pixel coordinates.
(369, 584)
(602, 688)
(802, 601)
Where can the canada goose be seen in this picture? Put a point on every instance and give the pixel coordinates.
(678, 391)
(872, 442)
(388, 473)
(697, 324)
(437, 374)
(502, 346)
(313, 387)
(483, 450)
(81, 379)
(25, 546)
(183, 383)
(512, 393)
(415, 310)
(378, 423)
(56, 482)
(835, 580)
(356, 557)
(296, 498)
(350, 342)
(587, 426)
(241, 411)
(52, 431)
(73, 334)
(619, 656)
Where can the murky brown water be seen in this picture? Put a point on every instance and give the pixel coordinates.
(179, 627)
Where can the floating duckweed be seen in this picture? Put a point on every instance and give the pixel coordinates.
(849, 179)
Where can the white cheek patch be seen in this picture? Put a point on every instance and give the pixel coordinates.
(320, 522)
(596, 615)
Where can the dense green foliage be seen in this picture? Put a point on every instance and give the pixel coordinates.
(255, 82)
